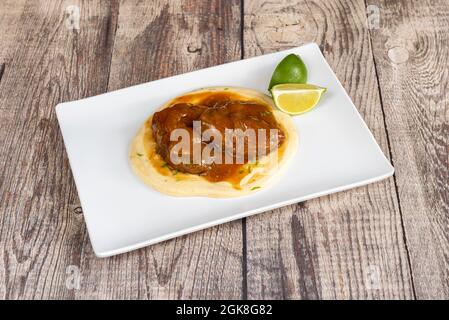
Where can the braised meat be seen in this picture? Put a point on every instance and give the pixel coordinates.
(216, 113)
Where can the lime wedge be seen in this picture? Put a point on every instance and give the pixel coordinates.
(296, 98)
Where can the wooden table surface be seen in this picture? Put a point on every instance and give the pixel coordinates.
(385, 240)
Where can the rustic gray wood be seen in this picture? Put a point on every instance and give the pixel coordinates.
(385, 240)
(347, 245)
(9, 14)
(411, 50)
(46, 63)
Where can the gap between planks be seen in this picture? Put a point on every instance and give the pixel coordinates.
(244, 238)
(112, 24)
(2, 70)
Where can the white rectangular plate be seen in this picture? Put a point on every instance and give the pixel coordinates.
(336, 152)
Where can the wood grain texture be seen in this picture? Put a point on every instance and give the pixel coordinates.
(40, 235)
(42, 231)
(385, 240)
(411, 50)
(157, 39)
(350, 244)
(10, 12)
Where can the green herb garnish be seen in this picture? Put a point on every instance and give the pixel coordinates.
(255, 188)
(139, 154)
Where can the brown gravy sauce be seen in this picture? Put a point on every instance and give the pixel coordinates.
(218, 110)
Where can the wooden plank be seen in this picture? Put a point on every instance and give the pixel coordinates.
(411, 54)
(157, 39)
(10, 13)
(350, 244)
(51, 61)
